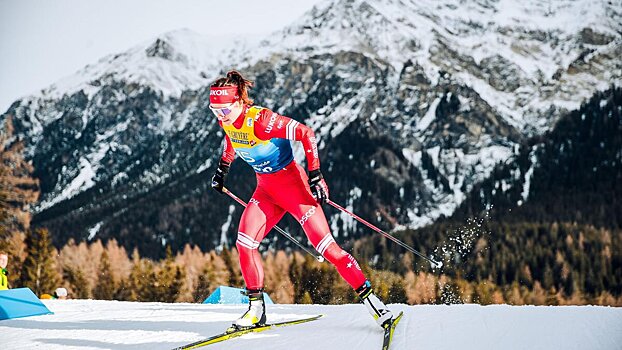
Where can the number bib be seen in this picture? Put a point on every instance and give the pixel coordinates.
(265, 156)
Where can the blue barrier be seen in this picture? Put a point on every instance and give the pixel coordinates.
(230, 295)
(20, 302)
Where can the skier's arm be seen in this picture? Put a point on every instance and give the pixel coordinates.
(228, 153)
(272, 125)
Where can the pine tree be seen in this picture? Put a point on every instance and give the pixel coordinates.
(148, 289)
(123, 292)
(77, 281)
(283, 290)
(176, 287)
(105, 288)
(295, 275)
(38, 271)
(202, 291)
(235, 277)
(397, 292)
(170, 279)
(132, 288)
(306, 298)
(318, 280)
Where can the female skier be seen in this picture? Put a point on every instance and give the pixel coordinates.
(262, 138)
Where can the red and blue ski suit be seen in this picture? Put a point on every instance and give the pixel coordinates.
(262, 138)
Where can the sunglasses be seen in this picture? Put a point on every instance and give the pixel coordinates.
(222, 112)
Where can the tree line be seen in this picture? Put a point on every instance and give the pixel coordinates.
(106, 271)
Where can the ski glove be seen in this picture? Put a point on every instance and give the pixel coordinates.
(318, 186)
(218, 180)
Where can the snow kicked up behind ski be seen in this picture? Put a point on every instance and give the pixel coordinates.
(238, 333)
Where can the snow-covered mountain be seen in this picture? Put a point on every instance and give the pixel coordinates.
(95, 324)
(416, 101)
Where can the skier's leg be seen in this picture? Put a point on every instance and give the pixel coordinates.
(310, 215)
(300, 203)
(258, 218)
(316, 229)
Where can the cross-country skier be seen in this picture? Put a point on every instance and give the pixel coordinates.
(262, 138)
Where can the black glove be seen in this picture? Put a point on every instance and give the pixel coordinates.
(319, 189)
(218, 180)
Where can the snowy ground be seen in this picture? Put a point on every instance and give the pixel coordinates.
(90, 324)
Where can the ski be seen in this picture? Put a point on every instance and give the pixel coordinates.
(230, 334)
(388, 331)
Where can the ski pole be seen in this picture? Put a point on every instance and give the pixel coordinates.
(281, 231)
(434, 263)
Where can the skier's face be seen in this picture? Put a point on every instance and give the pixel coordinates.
(4, 260)
(227, 113)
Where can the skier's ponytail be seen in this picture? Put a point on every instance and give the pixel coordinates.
(234, 78)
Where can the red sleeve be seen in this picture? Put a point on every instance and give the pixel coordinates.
(228, 153)
(270, 125)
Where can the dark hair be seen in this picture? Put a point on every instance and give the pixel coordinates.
(234, 78)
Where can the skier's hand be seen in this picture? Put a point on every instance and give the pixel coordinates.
(319, 189)
(218, 180)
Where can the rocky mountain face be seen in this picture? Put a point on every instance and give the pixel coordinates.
(573, 173)
(413, 103)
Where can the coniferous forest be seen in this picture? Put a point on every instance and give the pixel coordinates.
(544, 229)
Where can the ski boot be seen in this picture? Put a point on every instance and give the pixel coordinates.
(256, 314)
(379, 311)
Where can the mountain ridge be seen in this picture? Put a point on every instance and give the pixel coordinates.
(436, 112)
